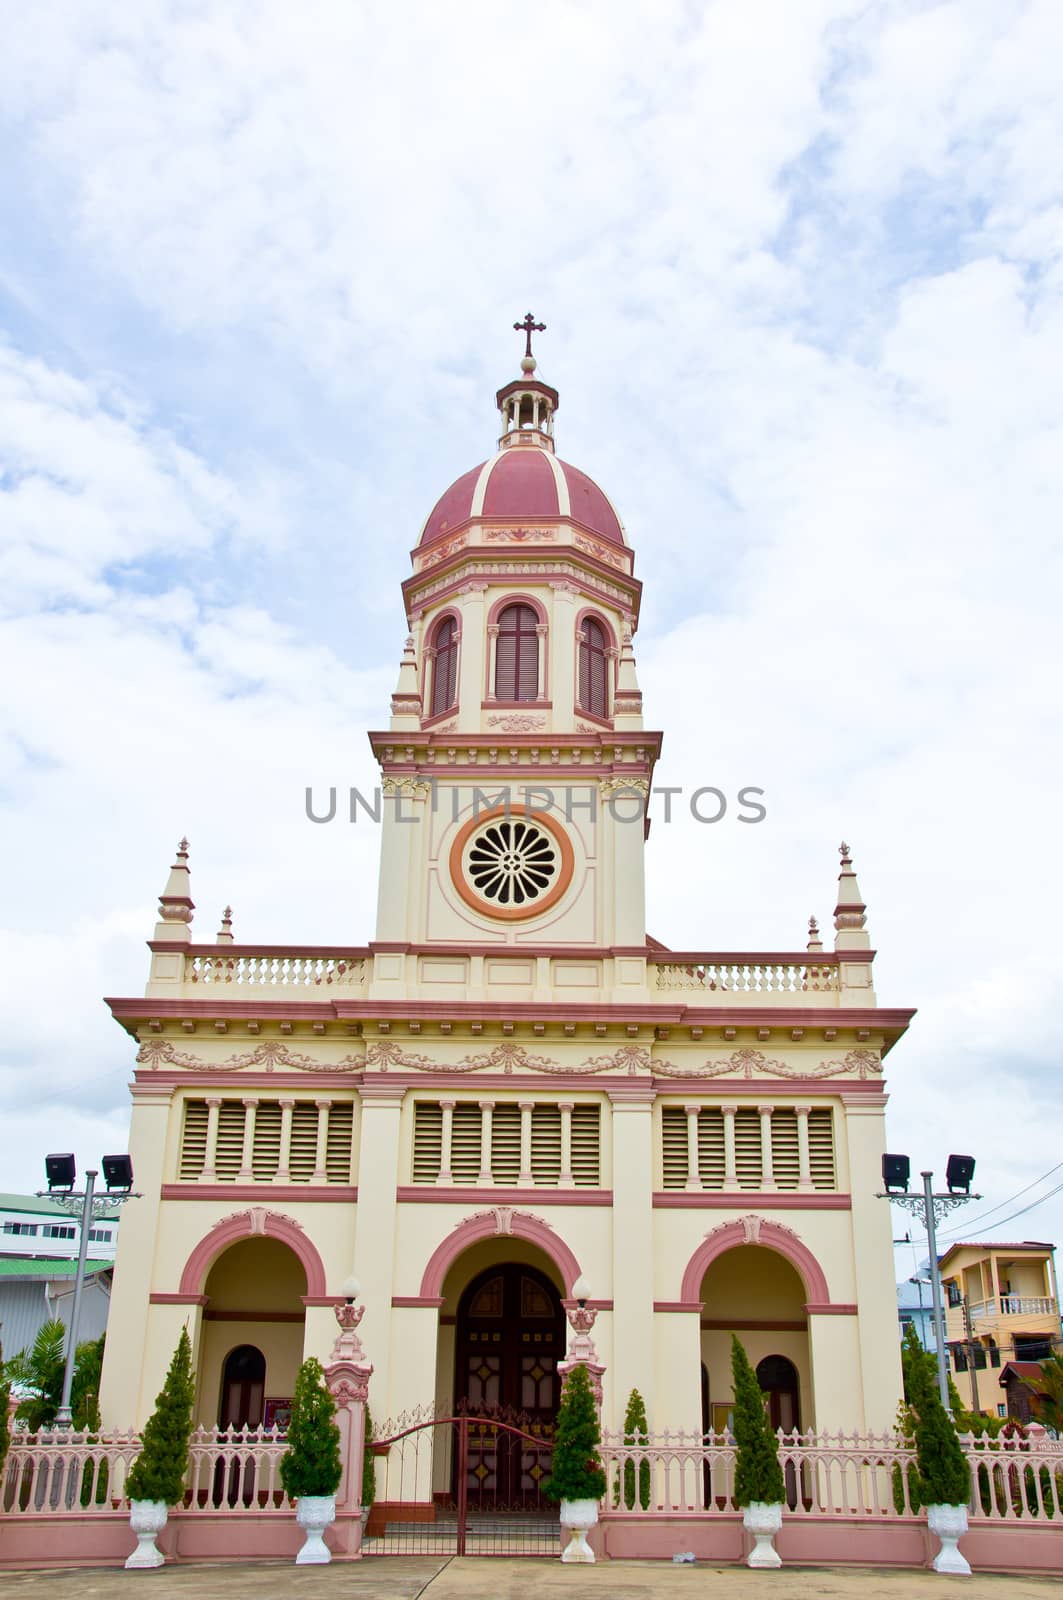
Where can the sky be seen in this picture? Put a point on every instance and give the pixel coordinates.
(801, 268)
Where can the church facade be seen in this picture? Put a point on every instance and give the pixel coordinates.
(511, 1097)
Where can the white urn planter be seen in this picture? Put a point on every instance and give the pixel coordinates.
(147, 1518)
(314, 1512)
(763, 1522)
(950, 1525)
(578, 1516)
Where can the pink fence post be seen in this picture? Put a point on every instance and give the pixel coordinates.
(581, 1348)
(347, 1376)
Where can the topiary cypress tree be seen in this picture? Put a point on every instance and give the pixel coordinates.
(5, 1431)
(944, 1479)
(160, 1469)
(758, 1475)
(577, 1472)
(311, 1464)
(368, 1465)
(636, 1431)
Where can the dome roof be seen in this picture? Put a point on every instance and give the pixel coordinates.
(524, 483)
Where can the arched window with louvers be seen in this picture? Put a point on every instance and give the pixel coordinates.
(517, 654)
(444, 667)
(593, 668)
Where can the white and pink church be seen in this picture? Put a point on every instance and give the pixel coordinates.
(508, 1096)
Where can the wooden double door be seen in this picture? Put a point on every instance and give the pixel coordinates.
(510, 1340)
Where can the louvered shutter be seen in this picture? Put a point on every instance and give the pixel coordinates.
(821, 1148)
(444, 667)
(747, 1149)
(230, 1140)
(465, 1139)
(587, 1146)
(304, 1141)
(593, 683)
(427, 1141)
(517, 655)
(194, 1139)
(546, 1144)
(505, 1143)
(674, 1134)
(338, 1142)
(711, 1163)
(785, 1160)
(266, 1148)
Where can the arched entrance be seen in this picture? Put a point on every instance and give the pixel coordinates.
(510, 1336)
(777, 1377)
(243, 1388)
(253, 1330)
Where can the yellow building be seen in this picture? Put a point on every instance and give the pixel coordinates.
(511, 1086)
(1001, 1305)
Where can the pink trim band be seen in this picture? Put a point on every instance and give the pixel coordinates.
(488, 1226)
(727, 1200)
(407, 1301)
(840, 1308)
(418, 1194)
(232, 1230)
(178, 1299)
(770, 1237)
(259, 1192)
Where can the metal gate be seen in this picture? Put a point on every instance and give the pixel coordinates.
(462, 1485)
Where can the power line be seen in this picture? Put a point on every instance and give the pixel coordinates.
(949, 1232)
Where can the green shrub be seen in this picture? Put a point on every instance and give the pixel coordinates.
(577, 1472)
(758, 1475)
(5, 1432)
(368, 1465)
(943, 1474)
(311, 1464)
(160, 1469)
(636, 1432)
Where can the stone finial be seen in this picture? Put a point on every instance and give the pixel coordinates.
(627, 708)
(815, 943)
(175, 903)
(224, 934)
(406, 701)
(849, 919)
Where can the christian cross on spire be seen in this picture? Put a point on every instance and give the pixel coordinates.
(528, 327)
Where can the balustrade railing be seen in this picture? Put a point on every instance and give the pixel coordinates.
(265, 969)
(833, 1475)
(760, 976)
(1025, 1305)
(230, 1470)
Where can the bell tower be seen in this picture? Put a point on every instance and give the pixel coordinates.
(516, 769)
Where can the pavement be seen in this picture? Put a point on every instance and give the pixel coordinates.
(498, 1578)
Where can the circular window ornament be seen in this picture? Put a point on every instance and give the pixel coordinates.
(511, 864)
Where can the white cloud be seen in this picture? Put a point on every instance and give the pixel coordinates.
(801, 266)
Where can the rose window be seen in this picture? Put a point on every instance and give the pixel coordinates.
(512, 862)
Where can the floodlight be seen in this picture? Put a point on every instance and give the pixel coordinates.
(958, 1174)
(60, 1171)
(117, 1172)
(896, 1170)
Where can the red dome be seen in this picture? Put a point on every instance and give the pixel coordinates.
(524, 482)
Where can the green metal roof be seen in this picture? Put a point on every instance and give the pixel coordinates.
(45, 1208)
(38, 1267)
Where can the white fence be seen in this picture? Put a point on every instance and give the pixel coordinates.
(231, 1470)
(833, 1475)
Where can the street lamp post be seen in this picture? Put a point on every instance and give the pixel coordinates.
(896, 1171)
(60, 1172)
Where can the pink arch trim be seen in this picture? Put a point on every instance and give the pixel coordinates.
(771, 1237)
(598, 616)
(233, 1229)
(516, 598)
(487, 1227)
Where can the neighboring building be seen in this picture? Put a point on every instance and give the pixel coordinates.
(1001, 1305)
(512, 1085)
(1021, 1382)
(30, 1226)
(915, 1308)
(33, 1291)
